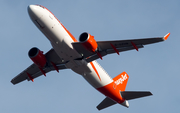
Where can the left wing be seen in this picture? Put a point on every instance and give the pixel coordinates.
(33, 71)
(108, 47)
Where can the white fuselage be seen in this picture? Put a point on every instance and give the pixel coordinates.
(61, 40)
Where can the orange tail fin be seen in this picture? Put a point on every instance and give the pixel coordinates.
(120, 81)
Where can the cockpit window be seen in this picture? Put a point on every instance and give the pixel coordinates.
(41, 6)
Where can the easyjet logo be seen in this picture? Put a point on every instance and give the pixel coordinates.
(120, 80)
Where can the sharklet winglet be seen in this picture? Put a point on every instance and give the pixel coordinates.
(166, 36)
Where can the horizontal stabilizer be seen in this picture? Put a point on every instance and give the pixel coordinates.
(128, 95)
(106, 103)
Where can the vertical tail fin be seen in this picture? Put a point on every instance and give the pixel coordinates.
(120, 81)
(118, 87)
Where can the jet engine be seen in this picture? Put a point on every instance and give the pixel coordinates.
(88, 41)
(37, 57)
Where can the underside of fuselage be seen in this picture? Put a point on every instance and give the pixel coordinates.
(61, 40)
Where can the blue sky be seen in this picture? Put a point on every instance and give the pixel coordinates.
(154, 68)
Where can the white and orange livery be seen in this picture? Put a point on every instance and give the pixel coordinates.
(68, 53)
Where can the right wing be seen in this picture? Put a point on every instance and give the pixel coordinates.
(34, 71)
(109, 47)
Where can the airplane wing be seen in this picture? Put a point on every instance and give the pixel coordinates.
(109, 47)
(34, 71)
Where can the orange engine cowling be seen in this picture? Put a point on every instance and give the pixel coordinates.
(37, 57)
(88, 41)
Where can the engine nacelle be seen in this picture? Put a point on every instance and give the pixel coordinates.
(37, 57)
(88, 41)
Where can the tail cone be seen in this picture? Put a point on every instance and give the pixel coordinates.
(125, 103)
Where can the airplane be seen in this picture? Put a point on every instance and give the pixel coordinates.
(80, 56)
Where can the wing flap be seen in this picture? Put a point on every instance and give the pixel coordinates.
(110, 51)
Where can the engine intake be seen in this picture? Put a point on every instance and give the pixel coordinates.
(37, 57)
(88, 41)
(83, 37)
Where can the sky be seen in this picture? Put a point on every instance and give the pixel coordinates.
(154, 68)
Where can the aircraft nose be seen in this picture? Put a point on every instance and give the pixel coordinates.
(34, 11)
(31, 8)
